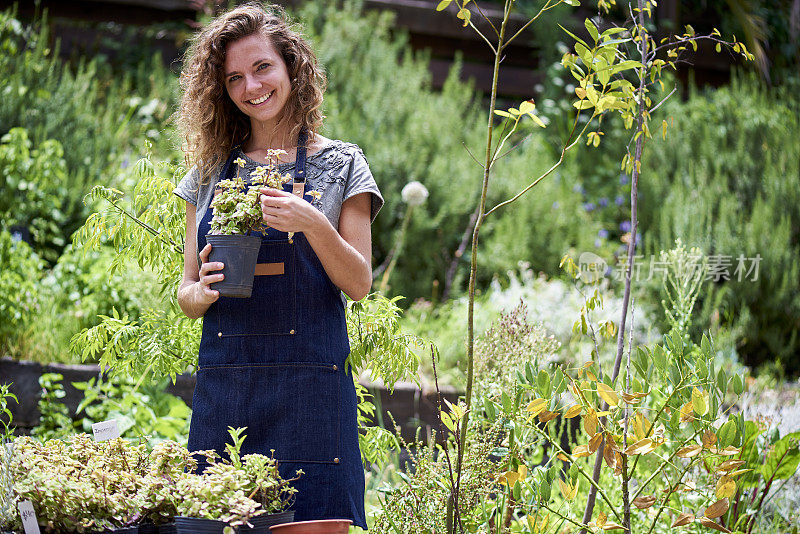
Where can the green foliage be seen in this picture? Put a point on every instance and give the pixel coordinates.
(33, 182)
(141, 411)
(54, 420)
(93, 112)
(162, 342)
(80, 485)
(374, 441)
(20, 302)
(724, 185)
(147, 228)
(144, 411)
(8, 510)
(416, 502)
(774, 458)
(377, 343)
(146, 231)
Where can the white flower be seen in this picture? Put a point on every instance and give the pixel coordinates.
(240, 162)
(414, 193)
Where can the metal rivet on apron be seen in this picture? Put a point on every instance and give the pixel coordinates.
(291, 241)
(291, 331)
(335, 368)
(336, 460)
(219, 334)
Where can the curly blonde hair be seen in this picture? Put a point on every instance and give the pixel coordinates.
(210, 123)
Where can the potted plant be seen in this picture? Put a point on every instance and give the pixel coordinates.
(237, 213)
(235, 494)
(168, 463)
(80, 485)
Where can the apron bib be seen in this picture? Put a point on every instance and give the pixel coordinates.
(275, 363)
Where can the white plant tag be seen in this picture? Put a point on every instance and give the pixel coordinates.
(105, 430)
(29, 522)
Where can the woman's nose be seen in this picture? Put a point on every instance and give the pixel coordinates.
(251, 83)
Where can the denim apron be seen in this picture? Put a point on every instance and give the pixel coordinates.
(275, 363)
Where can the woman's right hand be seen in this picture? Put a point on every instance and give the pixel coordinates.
(208, 276)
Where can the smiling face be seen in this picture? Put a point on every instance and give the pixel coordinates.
(257, 79)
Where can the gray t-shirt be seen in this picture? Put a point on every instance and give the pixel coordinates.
(338, 171)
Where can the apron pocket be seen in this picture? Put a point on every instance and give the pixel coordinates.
(276, 295)
(291, 408)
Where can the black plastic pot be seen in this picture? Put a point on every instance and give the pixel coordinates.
(239, 253)
(168, 528)
(261, 524)
(148, 528)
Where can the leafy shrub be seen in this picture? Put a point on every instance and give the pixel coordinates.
(724, 184)
(97, 115)
(33, 183)
(140, 410)
(20, 302)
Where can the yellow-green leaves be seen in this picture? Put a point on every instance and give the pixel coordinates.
(726, 487)
(569, 491)
(526, 108)
(536, 406)
(607, 394)
(452, 419)
(463, 13)
(590, 422)
(699, 401)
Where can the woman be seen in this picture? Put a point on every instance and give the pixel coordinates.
(275, 362)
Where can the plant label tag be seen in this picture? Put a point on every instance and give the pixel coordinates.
(29, 522)
(105, 430)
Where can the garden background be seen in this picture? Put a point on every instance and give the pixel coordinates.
(726, 179)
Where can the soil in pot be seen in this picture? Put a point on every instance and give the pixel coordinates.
(322, 526)
(239, 253)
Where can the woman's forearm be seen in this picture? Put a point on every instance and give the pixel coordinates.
(347, 268)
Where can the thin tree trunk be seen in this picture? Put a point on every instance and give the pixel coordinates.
(474, 262)
(589, 510)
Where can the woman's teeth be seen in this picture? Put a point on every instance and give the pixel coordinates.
(262, 99)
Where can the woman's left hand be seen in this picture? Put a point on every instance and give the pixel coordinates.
(287, 212)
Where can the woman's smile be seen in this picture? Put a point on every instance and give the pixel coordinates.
(260, 100)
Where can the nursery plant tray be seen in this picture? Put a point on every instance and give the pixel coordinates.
(261, 524)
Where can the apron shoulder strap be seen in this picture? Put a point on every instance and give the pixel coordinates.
(299, 183)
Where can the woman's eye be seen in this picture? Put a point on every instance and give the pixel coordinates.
(263, 66)
(233, 78)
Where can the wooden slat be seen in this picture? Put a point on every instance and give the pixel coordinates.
(163, 5)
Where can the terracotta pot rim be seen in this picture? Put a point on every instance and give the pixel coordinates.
(316, 522)
(288, 527)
